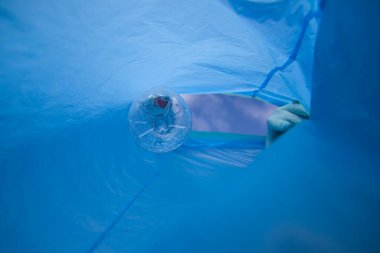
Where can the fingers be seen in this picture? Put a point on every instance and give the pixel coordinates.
(297, 109)
(283, 119)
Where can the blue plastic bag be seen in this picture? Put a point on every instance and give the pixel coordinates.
(72, 179)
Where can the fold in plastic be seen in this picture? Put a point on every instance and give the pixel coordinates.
(71, 177)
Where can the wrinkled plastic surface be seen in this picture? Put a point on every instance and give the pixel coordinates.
(65, 62)
(71, 177)
(317, 188)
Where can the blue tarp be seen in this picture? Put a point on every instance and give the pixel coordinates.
(73, 180)
(66, 62)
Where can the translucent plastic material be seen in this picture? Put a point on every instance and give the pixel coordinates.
(72, 178)
(160, 120)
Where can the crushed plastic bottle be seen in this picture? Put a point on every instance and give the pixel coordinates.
(160, 120)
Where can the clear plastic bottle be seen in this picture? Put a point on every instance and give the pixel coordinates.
(160, 120)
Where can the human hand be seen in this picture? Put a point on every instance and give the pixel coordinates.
(283, 119)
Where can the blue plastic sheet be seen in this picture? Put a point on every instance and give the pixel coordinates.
(65, 62)
(71, 177)
(316, 189)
